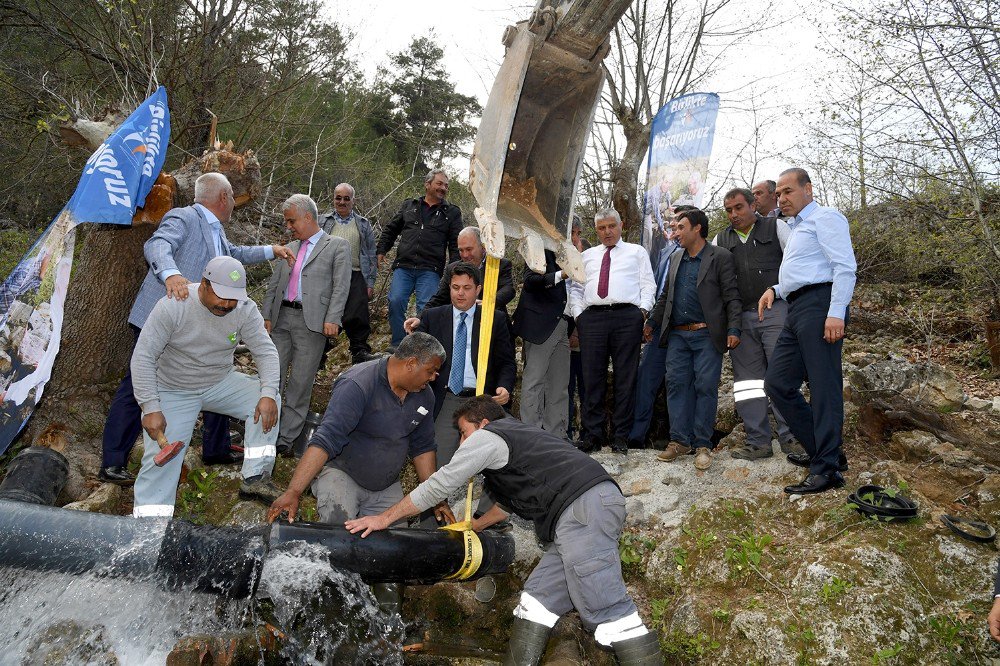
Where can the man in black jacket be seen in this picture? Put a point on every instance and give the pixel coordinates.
(578, 511)
(428, 230)
(540, 320)
(699, 310)
(472, 251)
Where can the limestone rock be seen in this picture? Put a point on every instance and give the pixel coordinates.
(638, 487)
(996, 403)
(977, 404)
(928, 384)
(734, 440)
(635, 512)
(103, 500)
(245, 514)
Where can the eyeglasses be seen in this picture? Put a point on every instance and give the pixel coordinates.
(342, 198)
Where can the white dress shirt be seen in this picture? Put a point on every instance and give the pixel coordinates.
(470, 373)
(630, 280)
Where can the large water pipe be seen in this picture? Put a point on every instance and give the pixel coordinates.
(226, 560)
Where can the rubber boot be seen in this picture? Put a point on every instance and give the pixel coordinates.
(639, 651)
(389, 597)
(527, 643)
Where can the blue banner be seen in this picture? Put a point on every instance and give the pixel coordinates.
(115, 181)
(680, 145)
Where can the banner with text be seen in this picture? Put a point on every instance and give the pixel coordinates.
(680, 145)
(115, 181)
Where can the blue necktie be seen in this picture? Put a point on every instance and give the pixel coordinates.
(456, 380)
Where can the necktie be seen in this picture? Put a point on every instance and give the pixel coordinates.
(605, 277)
(456, 379)
(293, 281)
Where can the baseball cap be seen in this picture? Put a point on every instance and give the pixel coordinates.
(228, 278)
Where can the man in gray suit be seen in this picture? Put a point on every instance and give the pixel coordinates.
(699, 309)
(303, 307)
(177, 253)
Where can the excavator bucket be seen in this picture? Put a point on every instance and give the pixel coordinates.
(534, 129)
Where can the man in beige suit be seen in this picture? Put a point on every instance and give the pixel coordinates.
(303, 307)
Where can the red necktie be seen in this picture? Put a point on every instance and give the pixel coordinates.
(605, 277)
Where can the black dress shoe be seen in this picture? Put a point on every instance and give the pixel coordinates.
(362, 357)
(816, 483)
(619, 445)
(588, 445)
(803, 460)
(229, 458)
(116, 475)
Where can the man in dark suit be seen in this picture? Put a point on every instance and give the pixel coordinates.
(472, 251)
(699, 311)
(541, 323)
(456, 379)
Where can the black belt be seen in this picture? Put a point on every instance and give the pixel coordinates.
(291, 304)
(880, 504)
(613, 306)
(464, 393)
(802, 291)
(982, 533)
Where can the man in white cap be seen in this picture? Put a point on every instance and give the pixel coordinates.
(183, 364)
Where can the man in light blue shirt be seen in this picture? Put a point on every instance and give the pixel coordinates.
(816, 278)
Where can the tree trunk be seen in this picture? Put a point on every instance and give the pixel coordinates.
(625, 175)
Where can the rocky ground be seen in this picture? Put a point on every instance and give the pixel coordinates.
(730, 570)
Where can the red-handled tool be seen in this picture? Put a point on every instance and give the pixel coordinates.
(167, 451)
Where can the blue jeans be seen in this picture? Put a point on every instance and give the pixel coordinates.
(406, 281)
(694, 367)
(652, 366)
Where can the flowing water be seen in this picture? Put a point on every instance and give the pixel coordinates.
(326, 616)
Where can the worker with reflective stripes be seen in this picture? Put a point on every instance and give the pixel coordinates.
(183, 364)
(578, 512)
(757, 244)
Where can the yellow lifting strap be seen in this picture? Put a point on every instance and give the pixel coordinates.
(473, 546)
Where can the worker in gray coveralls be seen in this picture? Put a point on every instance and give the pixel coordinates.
(379, 413)
(578, 512)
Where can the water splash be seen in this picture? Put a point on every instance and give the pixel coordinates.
(327, 616)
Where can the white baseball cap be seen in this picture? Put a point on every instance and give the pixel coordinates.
(228, 278)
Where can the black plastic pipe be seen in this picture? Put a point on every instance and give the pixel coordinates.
(224, 560)
(36, 475)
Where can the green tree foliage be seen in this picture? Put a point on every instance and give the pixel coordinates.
(431, 120)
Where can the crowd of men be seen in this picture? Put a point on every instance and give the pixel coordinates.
(772, 290)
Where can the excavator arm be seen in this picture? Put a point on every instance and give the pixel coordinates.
(534, 128)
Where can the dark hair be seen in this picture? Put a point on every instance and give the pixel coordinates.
(695, 217)
(474, 410)
(739, 191)
(683, 207)
(800, 174)
(464, 268)
(771, 186)
(421, 346)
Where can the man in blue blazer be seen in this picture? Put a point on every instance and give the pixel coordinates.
(177, 253)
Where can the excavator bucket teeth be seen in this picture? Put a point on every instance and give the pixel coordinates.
(534, 132)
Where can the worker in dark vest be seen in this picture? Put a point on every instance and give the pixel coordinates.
(578, 511)
(757, 244)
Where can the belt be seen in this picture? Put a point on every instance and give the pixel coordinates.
(691, 327)
(291, 304)
(464, 393)
(613, 306)
(802, 291)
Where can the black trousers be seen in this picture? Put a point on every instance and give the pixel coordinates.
(356, 320)
(604, 334)
(802, 352)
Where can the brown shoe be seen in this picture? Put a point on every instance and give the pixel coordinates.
(673, 451)
(703, 459)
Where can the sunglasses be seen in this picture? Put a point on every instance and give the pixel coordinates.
(342, 198)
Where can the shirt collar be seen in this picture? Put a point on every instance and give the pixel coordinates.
(342, 220)
(807, 211)
(455, 312)
(315, 237)
(209, 215)
(687, 255)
